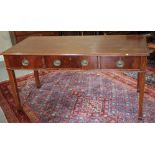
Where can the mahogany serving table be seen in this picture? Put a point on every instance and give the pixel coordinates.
(109, 52)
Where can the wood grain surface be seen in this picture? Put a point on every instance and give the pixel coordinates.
(107, 45)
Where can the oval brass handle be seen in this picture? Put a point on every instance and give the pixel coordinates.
(84, 63)
(25, 62)
(57, 63)
(120, 63)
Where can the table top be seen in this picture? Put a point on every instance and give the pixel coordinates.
(151, 45)
(106, 45)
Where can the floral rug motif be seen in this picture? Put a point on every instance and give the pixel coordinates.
(81, 97)
(71, 96)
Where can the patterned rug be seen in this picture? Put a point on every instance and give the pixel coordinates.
(78, 96)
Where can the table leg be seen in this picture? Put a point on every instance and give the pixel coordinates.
(138, 79)
(13, 83)
(141, 94)
(36, 76)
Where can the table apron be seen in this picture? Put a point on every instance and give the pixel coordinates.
(120, 63)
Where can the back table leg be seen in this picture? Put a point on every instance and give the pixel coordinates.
(141, 84)
(141, 94)
(36, 76)
(13, 83)
(138, 79)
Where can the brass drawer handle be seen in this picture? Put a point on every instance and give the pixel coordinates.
(56, 63)
(120, 63)
(84, 63)
(25, 62)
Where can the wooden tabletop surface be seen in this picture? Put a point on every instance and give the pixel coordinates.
(107, 45)
(151, 45)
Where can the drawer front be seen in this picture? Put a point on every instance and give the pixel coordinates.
(128, 62)
(24, 62)
(73, 62)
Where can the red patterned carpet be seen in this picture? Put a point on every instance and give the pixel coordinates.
(75, 96)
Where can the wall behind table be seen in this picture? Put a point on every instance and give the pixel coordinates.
(5, 42)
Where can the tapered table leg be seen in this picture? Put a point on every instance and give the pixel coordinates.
(36, 76)
(13, 83)
(141, 94)
(138, 79)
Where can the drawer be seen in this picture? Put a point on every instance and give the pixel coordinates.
(75, 62)
(24, 62)
(126, 62)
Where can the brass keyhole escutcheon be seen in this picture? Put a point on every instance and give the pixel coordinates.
(84, 63)
(57, 63)
(25, 62)
(120, 63)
